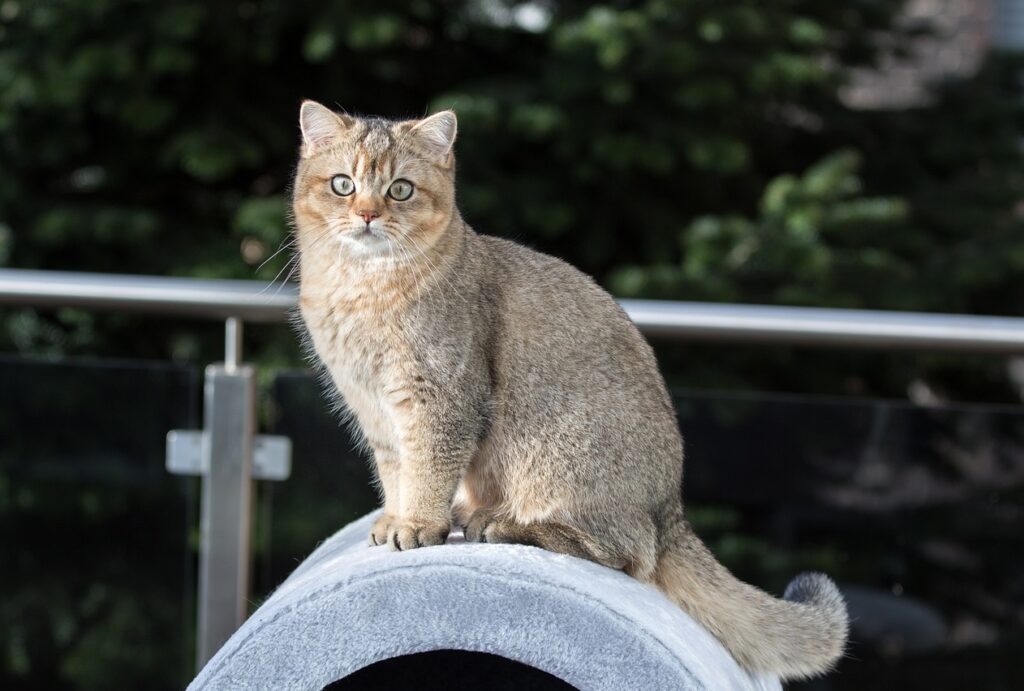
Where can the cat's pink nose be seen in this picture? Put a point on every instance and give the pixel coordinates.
(368, 214)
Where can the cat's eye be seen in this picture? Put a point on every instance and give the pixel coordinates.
(400, 190)
(342, 185)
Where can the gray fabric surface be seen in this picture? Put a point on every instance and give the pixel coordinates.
(349, 605)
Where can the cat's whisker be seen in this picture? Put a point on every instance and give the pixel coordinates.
(425, 273)
(443, 275)
(280, 249)
(295, 267)
(427, 269)
(293, 262)
(432, 271)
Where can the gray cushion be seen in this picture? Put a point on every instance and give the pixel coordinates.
(349, 605)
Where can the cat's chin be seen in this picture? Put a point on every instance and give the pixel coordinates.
(365, 242)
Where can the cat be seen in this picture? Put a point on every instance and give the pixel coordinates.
(502, 389)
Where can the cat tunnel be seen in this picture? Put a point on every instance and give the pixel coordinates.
(350, 609)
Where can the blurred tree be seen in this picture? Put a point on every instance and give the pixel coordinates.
(815, 237)
(950, 239)
(159, 139)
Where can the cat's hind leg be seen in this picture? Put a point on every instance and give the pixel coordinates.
(488, 525)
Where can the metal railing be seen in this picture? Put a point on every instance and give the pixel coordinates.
(229, 454)
(260, 302)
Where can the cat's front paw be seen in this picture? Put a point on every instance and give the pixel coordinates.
(381, 528)
(411, 533)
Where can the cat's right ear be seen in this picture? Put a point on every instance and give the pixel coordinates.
(321, 127)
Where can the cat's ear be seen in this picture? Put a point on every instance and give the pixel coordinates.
(321, 126)
(436, 135)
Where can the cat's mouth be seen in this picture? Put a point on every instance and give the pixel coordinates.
(369, 232)
(364, 232)
(365, 237)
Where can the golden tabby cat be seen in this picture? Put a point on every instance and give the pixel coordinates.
(504, 388)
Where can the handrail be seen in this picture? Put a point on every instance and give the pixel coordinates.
(192, 297)
(261, 302)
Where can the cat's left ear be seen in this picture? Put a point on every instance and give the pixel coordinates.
(436, 135)
(321, 126)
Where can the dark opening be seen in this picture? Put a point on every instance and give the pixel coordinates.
(446, 670)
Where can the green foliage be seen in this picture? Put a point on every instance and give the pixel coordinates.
(634, 117)
(673, 148)
(816, 235)
(159, 139)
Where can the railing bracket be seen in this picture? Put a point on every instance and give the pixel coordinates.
(271, 458)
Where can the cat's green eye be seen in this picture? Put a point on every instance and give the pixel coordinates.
(342, 185)
(400, 190)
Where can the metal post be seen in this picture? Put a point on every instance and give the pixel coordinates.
(226, 518)
(228, 455)
(232, 342)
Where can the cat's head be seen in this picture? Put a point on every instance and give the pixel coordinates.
(375, 186)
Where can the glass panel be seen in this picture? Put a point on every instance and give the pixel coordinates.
(97, 571)
(916, 512)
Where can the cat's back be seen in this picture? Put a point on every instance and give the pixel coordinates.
(525, 275)
(559, 319)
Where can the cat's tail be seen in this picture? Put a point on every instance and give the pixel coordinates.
(798, 637)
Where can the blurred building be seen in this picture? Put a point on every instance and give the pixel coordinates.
(960, 33)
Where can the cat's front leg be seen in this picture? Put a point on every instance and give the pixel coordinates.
(387, 466)
(436, 451)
